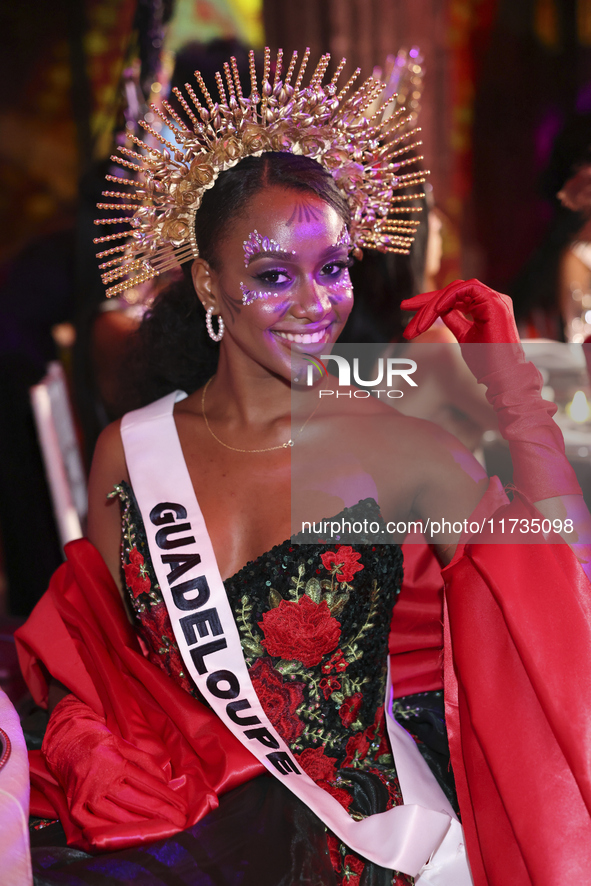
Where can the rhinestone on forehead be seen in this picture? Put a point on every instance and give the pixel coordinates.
(249, 295)
(255, 244)
(344, 237)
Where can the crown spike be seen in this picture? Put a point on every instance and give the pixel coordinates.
(117, 236)
(172, 113)
(119, 180)
(116, 206)
(400, 122)
(382, 152)
(379, 114)
(291, 68)
(236, 75)
(348, 85)
(129, 153)
(178, 133)
(112, 262)
(337, 74)
(319, 71)
(120, 194)
(203, 113)
(278, 66)
(302, 70)
(186, 107)
(113, 221)
(399, 153)
(204, 90)
(229, 81)
(399, 209)
(266, 89)
(266, 64)
(220, 85)
(125, 163)
(253, 73)
(163, 141)
(149, 148)
(121, 248)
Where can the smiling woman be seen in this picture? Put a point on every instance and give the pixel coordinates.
(246, 652)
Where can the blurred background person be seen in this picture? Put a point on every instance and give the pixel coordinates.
(552, 293)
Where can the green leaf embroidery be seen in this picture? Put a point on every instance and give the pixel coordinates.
(313, 590)
(275, 598)
(288, 667)
(250, 640)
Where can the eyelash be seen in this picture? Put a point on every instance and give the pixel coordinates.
(265, 276)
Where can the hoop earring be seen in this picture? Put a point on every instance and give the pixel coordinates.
(209, 325)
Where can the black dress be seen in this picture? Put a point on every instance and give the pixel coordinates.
(314, 621)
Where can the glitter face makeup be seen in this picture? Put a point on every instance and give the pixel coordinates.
(343, 285)
(255, 244)
(250, 295)
(344, 237)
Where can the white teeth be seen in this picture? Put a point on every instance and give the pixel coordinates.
(299, 339)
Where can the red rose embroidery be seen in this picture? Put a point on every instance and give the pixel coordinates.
(357, 745)
(329, 685)
(335, 663)
(304, 631)
(317, 765)
(349, 708)
(136, 579)
(333, 851)
(340, 794)
(280, 700)
(321, 769)
(344, 560)
(162, 648)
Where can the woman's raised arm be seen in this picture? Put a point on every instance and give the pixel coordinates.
(482, 321)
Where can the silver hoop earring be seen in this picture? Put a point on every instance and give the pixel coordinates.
(214, 336)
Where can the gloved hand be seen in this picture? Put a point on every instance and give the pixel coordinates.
(104, 777)
(490, 346)
(491, 321)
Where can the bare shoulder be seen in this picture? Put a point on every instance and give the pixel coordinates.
(108, 463)
(108, 469)
(377, 426)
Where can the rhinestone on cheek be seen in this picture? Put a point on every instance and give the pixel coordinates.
(249, 295)
(343, 284)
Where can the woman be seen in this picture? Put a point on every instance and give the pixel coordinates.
(133, 755)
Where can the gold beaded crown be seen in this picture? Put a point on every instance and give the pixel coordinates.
(364, 150)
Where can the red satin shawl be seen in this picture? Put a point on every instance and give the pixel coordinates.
(518, 709)
(80, 635)
(518, 704)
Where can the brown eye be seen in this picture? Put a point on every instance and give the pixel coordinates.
(273, 278)
(335, 268)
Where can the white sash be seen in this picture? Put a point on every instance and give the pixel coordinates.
(422, 838)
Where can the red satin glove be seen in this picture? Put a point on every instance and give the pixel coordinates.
(104, 777)
(490, 346)
(492, 319)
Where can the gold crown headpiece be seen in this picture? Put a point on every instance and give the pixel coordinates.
(364, 149)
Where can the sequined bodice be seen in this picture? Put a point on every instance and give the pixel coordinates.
(314, 621)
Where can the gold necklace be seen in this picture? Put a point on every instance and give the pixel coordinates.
(287, 445)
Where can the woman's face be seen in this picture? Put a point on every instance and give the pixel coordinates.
(281, 279)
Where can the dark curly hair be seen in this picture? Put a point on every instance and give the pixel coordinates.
(172, 349)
